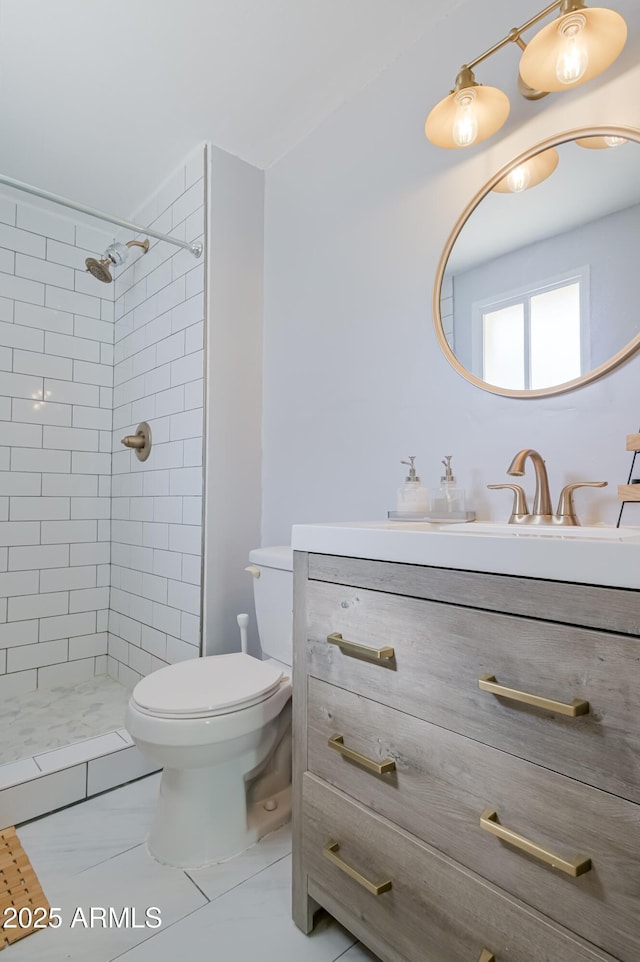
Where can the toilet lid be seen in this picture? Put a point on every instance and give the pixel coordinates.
(211, 685)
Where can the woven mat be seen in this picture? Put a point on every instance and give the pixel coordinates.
(20, 888)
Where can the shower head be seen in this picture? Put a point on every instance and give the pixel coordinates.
(115, 254)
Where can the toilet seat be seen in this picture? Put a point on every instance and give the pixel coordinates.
(205, 687)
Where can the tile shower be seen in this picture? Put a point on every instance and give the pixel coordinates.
(99, 552)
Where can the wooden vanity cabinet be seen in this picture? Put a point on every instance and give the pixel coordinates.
(466, 762)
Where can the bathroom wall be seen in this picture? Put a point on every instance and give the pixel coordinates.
(234, 406)
(158, 377)
(356, 218)
(56, 355)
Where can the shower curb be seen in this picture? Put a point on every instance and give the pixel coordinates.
(42, 792)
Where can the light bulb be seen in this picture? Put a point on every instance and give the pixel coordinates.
(615, 141)
(519, 178)
(465, 124)
(573, 58)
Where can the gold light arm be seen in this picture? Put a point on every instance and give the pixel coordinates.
(365, 651)
(576, 707)
(573, 867)
(378, 768)
(330, 850)
(487, 956)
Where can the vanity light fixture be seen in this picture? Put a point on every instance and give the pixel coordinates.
(578, 45)
(530, 173)
(600, 143)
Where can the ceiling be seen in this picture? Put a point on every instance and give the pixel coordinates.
(99, 102)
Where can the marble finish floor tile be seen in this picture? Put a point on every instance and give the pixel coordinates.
(85, 835)
(93, 855)
(130, 883)
(49, 718)
(218, 879)
(358, 953)
(252, 921)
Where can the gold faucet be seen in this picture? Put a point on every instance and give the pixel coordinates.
(542, 513)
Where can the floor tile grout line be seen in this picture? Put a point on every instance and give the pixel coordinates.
(348, 949)
(193, 911)
(193, 882)
(247, 879)
(160, 931)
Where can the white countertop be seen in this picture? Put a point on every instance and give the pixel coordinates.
(597, 556)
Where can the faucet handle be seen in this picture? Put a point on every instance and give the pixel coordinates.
(566, 508)
(520, 507)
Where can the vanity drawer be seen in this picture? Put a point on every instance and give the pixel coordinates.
(434, 911)
(441, 651)
(440, 783)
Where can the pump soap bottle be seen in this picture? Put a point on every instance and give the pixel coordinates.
(448, 499)
(413, 499)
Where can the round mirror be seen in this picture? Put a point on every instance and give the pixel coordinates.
(536, 288)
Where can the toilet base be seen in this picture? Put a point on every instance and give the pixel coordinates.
(192, 845)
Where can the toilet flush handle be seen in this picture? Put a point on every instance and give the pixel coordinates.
(253, 570)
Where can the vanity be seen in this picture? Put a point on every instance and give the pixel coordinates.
(467, 740)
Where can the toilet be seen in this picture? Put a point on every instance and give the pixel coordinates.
(220, 728)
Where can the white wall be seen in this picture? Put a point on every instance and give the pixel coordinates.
(56, 357)
(356, 218)
(234, 388)
(158, 377)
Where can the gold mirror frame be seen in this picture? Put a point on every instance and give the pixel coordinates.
(630, 133)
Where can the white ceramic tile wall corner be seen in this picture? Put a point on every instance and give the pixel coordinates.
(157, 359)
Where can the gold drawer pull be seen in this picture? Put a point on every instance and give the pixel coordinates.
(330, 850)
(577, 866)
(351, 648)
(379, 768)
(487, 956)
(576, 707)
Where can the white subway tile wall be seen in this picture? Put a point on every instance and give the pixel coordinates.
(54, 354)
(99, 552)
(156, 505)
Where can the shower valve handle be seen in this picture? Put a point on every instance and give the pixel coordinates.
(140, 441)
(133, 441)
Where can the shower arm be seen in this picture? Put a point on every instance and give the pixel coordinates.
(195, 248)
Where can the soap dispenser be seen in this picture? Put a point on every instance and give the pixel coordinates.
(448, 498)
(413, 499)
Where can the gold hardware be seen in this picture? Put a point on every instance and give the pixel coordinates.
(487, 956)
(572, 709)
(253, 570)
(471, 113)
(133, 441)
(541, 514)
(566, 507)
(379, 768)
(330, 850)
(136, 243)
(352, 648)
(520, 507)
(140, 441)
(575, 867)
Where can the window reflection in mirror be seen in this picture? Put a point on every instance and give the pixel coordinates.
(538, 290)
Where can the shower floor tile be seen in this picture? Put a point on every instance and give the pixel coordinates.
(50, 718)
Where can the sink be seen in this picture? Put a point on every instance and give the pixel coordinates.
(592, 555)
(557, 532)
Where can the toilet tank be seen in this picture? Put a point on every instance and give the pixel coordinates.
(273, 595)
